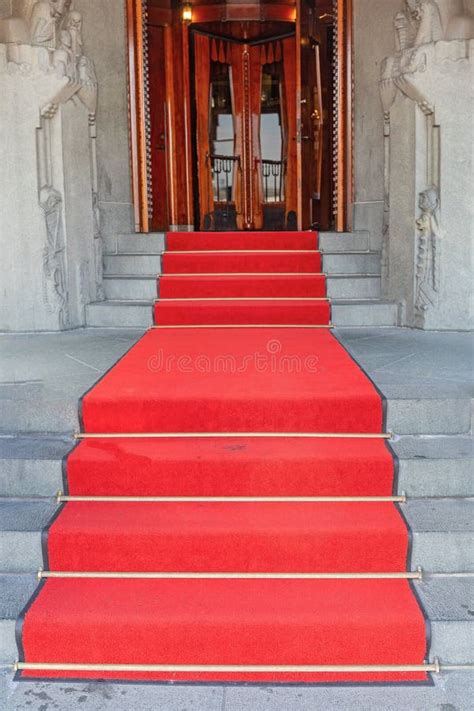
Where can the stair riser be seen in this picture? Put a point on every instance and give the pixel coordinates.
(141, 289)
(417, 478)
(351, 263)
(139, 316)
(242, 312)
(341, 288)
(354, 288)
(435, 416)
(149, 244)
(449, 640)
(134, 264)
(119, 316)
(436, 477)
(444, 551)
(344, 241)
(369, 314)
(441, 416)
(25, 478)
(434, 551)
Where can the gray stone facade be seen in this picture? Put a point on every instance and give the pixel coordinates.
(65, 169)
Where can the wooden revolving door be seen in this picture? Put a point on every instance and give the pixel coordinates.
(240, 114)
(245, 131)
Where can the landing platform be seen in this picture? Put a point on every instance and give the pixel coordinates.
(43, 376)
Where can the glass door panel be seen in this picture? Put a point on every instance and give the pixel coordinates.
(271, 136)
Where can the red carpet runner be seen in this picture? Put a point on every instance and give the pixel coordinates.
(223, 400)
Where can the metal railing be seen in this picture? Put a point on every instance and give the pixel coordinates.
(222, 170)
(273, 182)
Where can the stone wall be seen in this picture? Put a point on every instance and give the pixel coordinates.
(50, 226)
(105, 43)
(427, 95)
(373, 40)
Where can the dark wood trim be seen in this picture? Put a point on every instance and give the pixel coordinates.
(343, 168)
(344, 117)
(159, 16)
(137, 111)
(244, 12)
(170, 127)
(188, 150)
(349, 156)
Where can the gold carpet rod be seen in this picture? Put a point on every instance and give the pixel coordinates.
(196, 252)
(409, 575)
(252, 274)
(204, 435)
(247, 298)
(244, 325)
(433, 667)
(62, 498)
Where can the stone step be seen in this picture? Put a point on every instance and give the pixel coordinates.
(154, 242)
(344, 241)
(354, 286)
(428, 416)
(144, 287)
(351, 262)
(40, 412)
(442, 531)
(32, 465)
(140, 264)
(133, 264)
(428, 466)
(364, 312)
(435, 466)
(444, 600)
(123, 313)
(120, 314)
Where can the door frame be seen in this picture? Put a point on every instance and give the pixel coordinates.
(139, 116)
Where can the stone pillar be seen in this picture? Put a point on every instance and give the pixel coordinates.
(50, 237)
(428, 101)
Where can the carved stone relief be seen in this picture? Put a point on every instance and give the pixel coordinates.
(430, 35)
(419, 25)
(427, 253)
(44, 37)
(54, 256)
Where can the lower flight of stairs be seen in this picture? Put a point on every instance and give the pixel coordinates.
(435, 473)
(132, 263)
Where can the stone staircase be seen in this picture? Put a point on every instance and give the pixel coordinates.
(435, 453)
(133, 262)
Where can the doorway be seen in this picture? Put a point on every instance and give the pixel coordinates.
(245, 109)
(241, 114)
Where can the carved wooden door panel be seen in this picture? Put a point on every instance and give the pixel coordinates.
(158, 139)
(307, 103)
(246, 133)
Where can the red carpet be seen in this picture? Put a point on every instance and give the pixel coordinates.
(230, 466)
(257, 311)
(237, 406)
(234, 286)
(227, 262)
(234, 380)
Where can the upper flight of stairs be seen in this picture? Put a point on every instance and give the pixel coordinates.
(132, 262)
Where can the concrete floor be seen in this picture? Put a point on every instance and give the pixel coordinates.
(423, 375)
(43, 375)
(453, 691)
